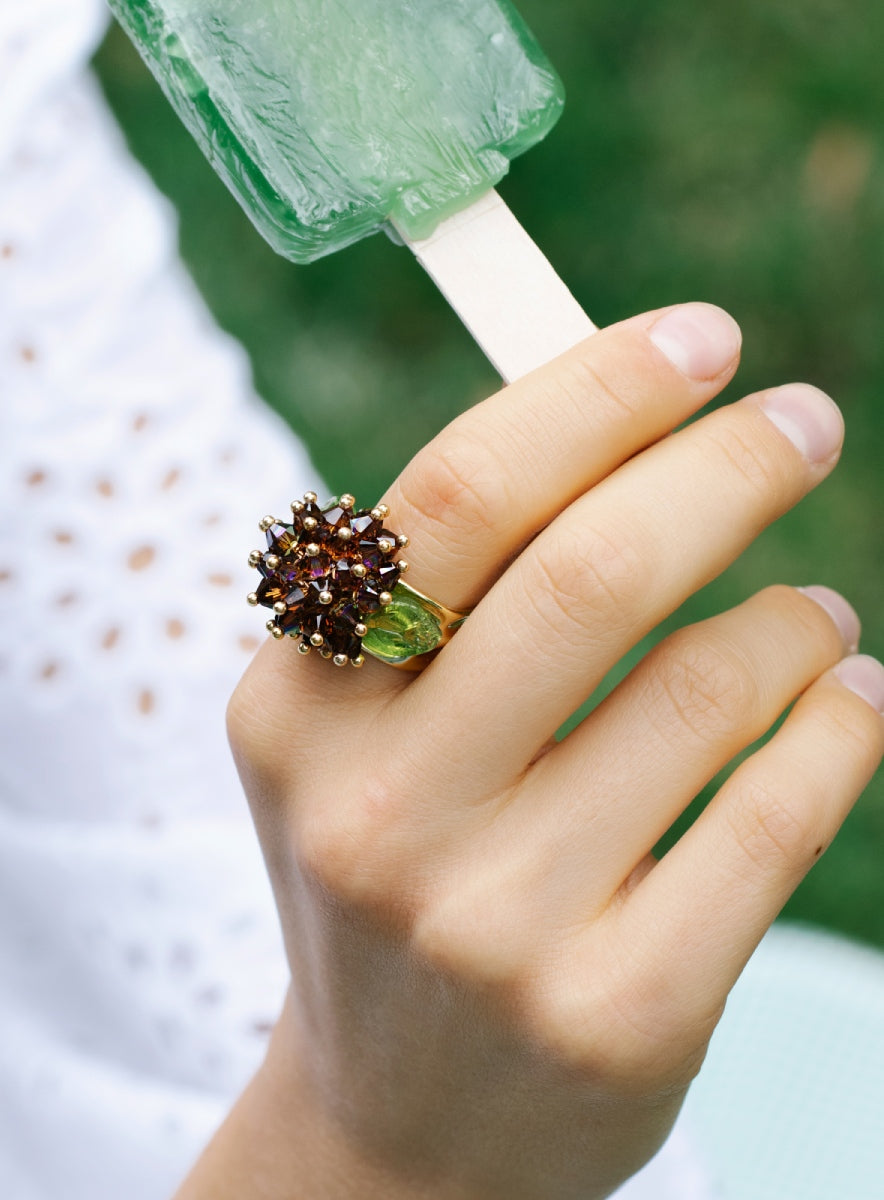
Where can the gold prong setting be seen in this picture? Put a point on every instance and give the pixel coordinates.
(326, 570)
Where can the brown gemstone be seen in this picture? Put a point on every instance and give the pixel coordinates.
(388, 576)
(371, 554)
(282, 539)
(271, 589)
(330, 590)
(318, 566)
(344, 578)
(368, 597)
(289, 621)
(310, 512)
(336, 517)
(364, 525)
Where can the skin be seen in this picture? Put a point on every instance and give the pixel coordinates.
(497, 991)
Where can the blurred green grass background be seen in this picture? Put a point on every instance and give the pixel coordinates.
(730, 153)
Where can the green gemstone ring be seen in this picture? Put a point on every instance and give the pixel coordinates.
(332, 577)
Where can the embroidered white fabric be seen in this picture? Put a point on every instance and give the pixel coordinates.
(140, 963)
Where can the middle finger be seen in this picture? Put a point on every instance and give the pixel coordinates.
(609, 569)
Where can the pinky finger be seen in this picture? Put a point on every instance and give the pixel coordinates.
(704, 907)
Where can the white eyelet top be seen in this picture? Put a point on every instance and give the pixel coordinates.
(141, 967)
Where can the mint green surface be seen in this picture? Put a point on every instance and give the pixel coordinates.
(327, 118)
(788, 1104)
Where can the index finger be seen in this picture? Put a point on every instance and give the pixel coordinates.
(472, 498)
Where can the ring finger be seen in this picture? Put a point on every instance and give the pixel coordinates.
(473, 497)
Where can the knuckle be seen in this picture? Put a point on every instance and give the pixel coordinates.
(589, 1028)
(329, 854)
(848, 729)
(355, 853)
(458, 938)
(770, 831)
(611, 573)
(458, 484)
(755, 462)
(788, 603)
(238, 719)
(590, 371)
(704, 686)
(587, 578)
(812, 625)
(254, 733)
(621, 1028)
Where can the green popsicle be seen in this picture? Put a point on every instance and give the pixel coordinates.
(331, 119)
(328, 118)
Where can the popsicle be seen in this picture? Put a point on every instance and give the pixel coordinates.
(332, 119)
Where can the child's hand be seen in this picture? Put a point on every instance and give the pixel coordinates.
(498, 993)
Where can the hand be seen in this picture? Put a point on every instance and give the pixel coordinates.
(497, 991)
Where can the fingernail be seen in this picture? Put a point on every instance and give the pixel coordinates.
(699, 339)
(864, 676)
(839, 610)
(809, 418)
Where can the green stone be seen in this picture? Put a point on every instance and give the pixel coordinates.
(403, 629)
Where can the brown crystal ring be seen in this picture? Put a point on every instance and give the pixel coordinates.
(332, 577)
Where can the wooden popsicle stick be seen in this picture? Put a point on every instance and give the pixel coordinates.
(502, 287)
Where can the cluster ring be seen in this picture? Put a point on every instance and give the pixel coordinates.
(332, 577)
